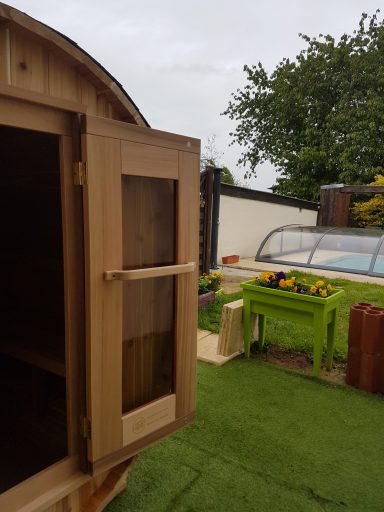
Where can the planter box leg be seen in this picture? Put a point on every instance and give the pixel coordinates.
(247, 327)
(319, 331)
(331, 330)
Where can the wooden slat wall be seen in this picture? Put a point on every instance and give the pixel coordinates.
(67, 89)
(28, 63)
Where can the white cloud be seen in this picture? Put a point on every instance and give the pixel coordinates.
(180, 61)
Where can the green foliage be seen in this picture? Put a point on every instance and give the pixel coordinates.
(371, 213)
(319, 119)
(210, 316)
(227, 176)
(209, 282)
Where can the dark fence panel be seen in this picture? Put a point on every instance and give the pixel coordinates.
(206, 191)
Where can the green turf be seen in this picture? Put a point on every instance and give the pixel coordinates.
(266, 440)
(297, 337)
(209, 316)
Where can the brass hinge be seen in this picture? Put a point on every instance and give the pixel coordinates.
(80, 176)
(87, 430)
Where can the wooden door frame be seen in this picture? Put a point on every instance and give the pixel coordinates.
(48, 485)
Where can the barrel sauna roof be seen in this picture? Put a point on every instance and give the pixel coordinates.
(36, 58)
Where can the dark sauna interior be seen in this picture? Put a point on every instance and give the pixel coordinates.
(33, 428)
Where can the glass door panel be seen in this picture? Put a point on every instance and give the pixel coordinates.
(148, 220)
(149, 208)
(148, 340)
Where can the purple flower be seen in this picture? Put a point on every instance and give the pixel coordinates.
(280, 275)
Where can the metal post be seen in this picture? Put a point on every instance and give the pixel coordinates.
(215, 216)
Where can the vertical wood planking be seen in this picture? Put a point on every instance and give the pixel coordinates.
(88, 95)
(4, 54)
(29, 63)
(186, 288)
(334, 207)
(103, 249)
(102, 106)
(63, 79)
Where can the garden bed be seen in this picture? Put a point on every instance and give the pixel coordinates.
(298, 338)
(299, 362)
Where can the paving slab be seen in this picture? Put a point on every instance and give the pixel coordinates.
(207, 349)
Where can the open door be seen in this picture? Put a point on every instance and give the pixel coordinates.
(141, 208)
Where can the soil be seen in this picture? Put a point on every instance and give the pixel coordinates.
(298, 362)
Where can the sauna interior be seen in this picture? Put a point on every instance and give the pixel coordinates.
(33, 429)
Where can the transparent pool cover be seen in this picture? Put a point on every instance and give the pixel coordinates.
(355, 250)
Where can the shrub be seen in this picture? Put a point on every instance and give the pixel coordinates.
(371, 213)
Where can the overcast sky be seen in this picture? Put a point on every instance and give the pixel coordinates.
(180, 61)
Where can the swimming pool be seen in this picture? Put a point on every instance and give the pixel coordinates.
(356, 262)
(353, 250)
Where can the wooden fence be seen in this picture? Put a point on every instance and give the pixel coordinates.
(206, 191)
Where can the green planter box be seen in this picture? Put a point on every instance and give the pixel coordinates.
(304, 309)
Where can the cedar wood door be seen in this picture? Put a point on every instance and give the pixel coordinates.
(141, 208)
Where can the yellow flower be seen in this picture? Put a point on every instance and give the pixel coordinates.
(313, 289)
(319, 284)
(267, 276)
(304, 281)
(330, 288)
(323, 292)
(290, 282)
(282, 283)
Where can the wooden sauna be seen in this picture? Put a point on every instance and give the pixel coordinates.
(99, 231)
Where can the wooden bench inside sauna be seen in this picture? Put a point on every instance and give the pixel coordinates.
(99, 230)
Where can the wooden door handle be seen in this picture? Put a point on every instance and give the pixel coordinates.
(145, 273)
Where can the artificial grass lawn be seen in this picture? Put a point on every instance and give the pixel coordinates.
(266, 440)
(297, 337)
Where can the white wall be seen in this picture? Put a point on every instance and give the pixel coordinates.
(244, 223)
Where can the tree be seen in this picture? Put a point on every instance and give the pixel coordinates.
(227, 176)
(320, 118)
(371, 213)
(211, 157)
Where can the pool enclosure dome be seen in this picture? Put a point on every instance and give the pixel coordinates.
(354, 250)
